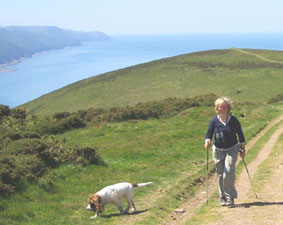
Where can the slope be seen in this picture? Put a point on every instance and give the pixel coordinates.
(167, 151)
(242, 76)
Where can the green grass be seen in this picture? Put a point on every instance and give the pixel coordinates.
(241, 76)
(167, 151)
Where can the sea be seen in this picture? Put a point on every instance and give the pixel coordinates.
(47, 71)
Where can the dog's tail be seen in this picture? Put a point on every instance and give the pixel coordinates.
(142, 184)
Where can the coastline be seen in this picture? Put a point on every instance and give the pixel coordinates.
(72, 65)
(15, 61)
(3, 68)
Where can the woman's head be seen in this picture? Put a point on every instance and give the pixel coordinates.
(223, 104)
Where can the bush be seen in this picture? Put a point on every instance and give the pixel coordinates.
(47, 126)
(11, 134)
(80, 156)
(28, 159)
(277, 98)
(29, 166)
(18, 113)
(25, 146)
(17, 168)
(61, 115)
(8, 175)
(30, 134)
(73, 122)
(25, 155)
(8, 135)
(4, 111)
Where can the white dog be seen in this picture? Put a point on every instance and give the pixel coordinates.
(113, 194)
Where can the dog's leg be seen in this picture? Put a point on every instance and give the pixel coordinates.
(129, 200)
(118, 203)
(134, 207)
(93, 217)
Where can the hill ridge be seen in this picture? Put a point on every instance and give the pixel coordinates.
(222, 72)
(256, 55)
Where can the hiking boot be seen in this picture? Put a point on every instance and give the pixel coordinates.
(222, 201)
(229, 202)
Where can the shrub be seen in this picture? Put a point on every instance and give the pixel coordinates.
(26, 156)
(32, 146)
(8, 175)
(4, 111)
(29, 159)
(11, 134)
(30, 134)
(47, 126)
(29, 166)
(73, 122)
(18, 113)
(8, 135)
(277, 98)
(61, 115)
(91, 113)
(90, 156)
(81, 156)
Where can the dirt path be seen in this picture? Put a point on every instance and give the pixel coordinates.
(248, 209)
(189, 207)
(256, 55)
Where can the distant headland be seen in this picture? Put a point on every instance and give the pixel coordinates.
(18, 42)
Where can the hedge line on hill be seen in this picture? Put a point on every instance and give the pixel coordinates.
(28, 148)
(62, 121)
(153, 109)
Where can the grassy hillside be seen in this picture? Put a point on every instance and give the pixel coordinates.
(243, 75)
(168, 151)
(160, 140)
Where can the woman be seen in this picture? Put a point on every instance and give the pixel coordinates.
(226, 130)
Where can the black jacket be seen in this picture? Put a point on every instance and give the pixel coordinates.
(225, 136)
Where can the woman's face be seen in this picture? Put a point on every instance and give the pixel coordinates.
(223, 108)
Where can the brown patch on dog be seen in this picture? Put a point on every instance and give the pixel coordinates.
(97, 201)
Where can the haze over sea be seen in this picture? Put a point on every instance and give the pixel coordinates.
(54, 69)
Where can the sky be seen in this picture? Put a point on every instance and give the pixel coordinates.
(147, 16)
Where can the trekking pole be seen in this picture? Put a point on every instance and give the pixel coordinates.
(207, 159)
(250, 177)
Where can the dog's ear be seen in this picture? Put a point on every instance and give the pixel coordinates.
(99, 199)
(91, 198)
(98, 203)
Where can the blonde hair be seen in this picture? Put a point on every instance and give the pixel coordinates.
(222, 100)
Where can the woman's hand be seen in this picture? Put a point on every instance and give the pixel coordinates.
(207, 144)
(242, 151)
(243, 154)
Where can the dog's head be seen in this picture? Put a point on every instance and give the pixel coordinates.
(95, 203)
